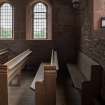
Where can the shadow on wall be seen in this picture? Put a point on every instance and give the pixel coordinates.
(68, 44)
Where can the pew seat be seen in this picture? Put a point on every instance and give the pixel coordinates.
(76, 75)
(39, 76)
(81, 71)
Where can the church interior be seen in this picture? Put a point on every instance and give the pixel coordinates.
(52, 52)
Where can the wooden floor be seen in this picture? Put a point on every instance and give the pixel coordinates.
(66, 94)
(23, 95)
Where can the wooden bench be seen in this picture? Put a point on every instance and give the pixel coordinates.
(45, 92)
(90, 89)
(87, 77)
(44, 83)
(9, 71)
(82, 71)
(3, 56)
(40, 73)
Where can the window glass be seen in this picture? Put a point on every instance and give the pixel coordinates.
(6, 21)
(40, 21)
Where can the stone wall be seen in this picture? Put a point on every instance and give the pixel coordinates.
(92, 41)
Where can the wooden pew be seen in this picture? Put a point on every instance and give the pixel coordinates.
(44, 83)
(90, 90)
(87, 77)
(82, 71)
(45, 92)
(9, 71)
(40, 73)
(3, 56)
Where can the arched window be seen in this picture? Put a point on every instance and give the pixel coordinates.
(6, 21)
(40, 21)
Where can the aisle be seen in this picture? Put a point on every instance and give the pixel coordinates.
(22, 95)
(66, 94)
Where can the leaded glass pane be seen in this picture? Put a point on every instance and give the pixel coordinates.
(39, 21)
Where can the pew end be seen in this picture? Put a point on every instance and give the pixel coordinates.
(50, 76)
(45, 88)
(40, 93)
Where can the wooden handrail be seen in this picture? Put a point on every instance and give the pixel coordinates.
(13, 62)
